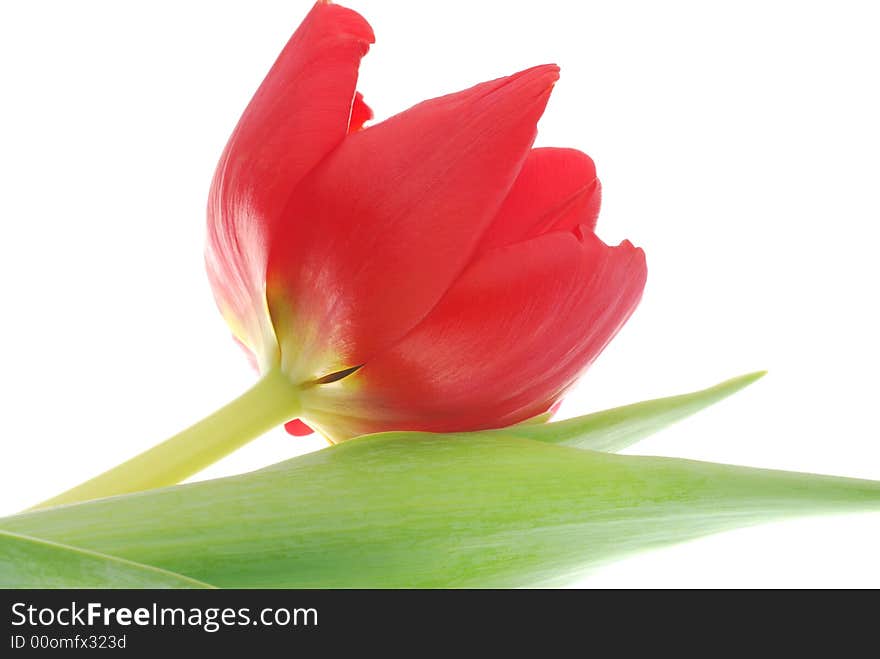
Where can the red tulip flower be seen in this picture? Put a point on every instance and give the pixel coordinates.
(430, 272)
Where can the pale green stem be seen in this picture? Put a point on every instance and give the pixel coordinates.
(269, 403)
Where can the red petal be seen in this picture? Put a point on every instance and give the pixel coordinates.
(298, 428)
(376, 234)
(557, 189)
(360, 113)
(298, 115)
(503, 345)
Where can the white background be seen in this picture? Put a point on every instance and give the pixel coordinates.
(737, 144)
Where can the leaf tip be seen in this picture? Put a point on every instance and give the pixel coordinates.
(745, 380)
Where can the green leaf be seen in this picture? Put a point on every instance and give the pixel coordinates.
(616, 429)
(33, 563)
(422, 510)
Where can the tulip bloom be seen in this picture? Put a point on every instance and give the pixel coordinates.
(430, 272)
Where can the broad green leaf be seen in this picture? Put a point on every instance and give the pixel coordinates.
(616, 429)
(33, 563)
(422, 510)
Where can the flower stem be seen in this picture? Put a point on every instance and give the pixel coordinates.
(269, 403)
